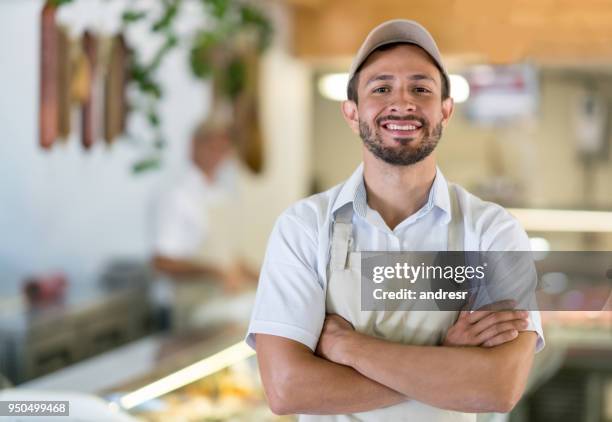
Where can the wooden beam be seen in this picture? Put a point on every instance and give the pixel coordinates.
(499, 32)
(306, 4)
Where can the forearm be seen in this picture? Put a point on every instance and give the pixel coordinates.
(307, 384)
(183, 268)
(468, 379)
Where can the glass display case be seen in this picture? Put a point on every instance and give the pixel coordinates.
(230, 394)
(205, 375)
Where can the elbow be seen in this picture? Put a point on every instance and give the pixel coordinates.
(499, 394)
(280, 394)
(491, 401)
(506, 398)
(278, 406)
(508, 384)
(279, 402)
(504, 405)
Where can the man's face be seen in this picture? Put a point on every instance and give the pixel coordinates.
(210, 151)
(400, 115)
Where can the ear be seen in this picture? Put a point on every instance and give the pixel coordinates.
(448, 106)
(351, 115)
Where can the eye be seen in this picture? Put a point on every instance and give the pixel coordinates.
(422, 90)
(381, 90)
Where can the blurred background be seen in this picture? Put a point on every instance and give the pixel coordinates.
(147, 147)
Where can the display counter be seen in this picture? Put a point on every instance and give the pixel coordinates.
(207, 373)
(210, 379)
(200, 371)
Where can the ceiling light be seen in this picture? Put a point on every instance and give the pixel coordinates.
(459, 87)
(333, 86)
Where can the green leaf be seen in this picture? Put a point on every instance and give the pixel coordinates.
(159, 144)
(153, 118)
(167, 18)
(170, 42)
(235, 78)
(199, 56)
(143, 77)
(200, 65)
(218, 8)
(58, 3)
(146, 164)
(133, 15)
(205, 39)
(250, 16)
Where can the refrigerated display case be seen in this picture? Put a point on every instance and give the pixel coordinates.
(212, 376)
(230, 394)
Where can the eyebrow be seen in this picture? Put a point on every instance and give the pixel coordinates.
(415, 77)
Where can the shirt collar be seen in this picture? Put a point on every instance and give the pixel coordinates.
(353, 191)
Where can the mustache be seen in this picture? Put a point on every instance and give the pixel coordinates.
(419, 119)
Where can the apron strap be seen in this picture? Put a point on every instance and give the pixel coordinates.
(341, 234)
(343, 227)
(455, 226)
(456, 247)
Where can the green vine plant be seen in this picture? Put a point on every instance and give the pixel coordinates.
(226, 22)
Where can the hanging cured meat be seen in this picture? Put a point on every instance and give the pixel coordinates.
(247, 129)
(88, 106)
(115, 105)
(79, 85)
(48, 77)
(64, 76)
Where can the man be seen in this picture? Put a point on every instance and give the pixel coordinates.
(194, 232)
(318, 352)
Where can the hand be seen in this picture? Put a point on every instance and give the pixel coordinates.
(250, 273)
(233, 279)
(489, 326)
(237, 277)
(335, 335)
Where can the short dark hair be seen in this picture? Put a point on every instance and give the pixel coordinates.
(351, 89)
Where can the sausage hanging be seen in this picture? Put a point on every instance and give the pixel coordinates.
(48, 115)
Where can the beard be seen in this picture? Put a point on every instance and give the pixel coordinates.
(404, 155)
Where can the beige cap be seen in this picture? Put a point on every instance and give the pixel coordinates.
(399, 31)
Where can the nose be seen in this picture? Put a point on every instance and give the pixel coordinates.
(403, 103)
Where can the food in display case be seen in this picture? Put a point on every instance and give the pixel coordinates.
(231, 394)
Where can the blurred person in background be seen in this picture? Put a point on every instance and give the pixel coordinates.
(195, 228)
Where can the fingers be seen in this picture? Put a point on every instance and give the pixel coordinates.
(501, 338)
(470, 302)
(495, 318)
(500, 328)
(466, 310)
(487, 310)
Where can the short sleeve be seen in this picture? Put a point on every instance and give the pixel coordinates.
(534, 323)
(290, 299)
(502, 232)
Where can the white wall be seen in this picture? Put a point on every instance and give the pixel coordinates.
(72, 209)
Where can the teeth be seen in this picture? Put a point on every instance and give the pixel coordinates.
(398, 127)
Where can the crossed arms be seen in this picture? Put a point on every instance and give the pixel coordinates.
(351, 372)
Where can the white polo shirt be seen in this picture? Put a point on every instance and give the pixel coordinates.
(290, 300)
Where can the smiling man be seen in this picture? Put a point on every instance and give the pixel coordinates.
(321, 355)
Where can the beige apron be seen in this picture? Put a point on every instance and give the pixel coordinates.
(408, 327)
